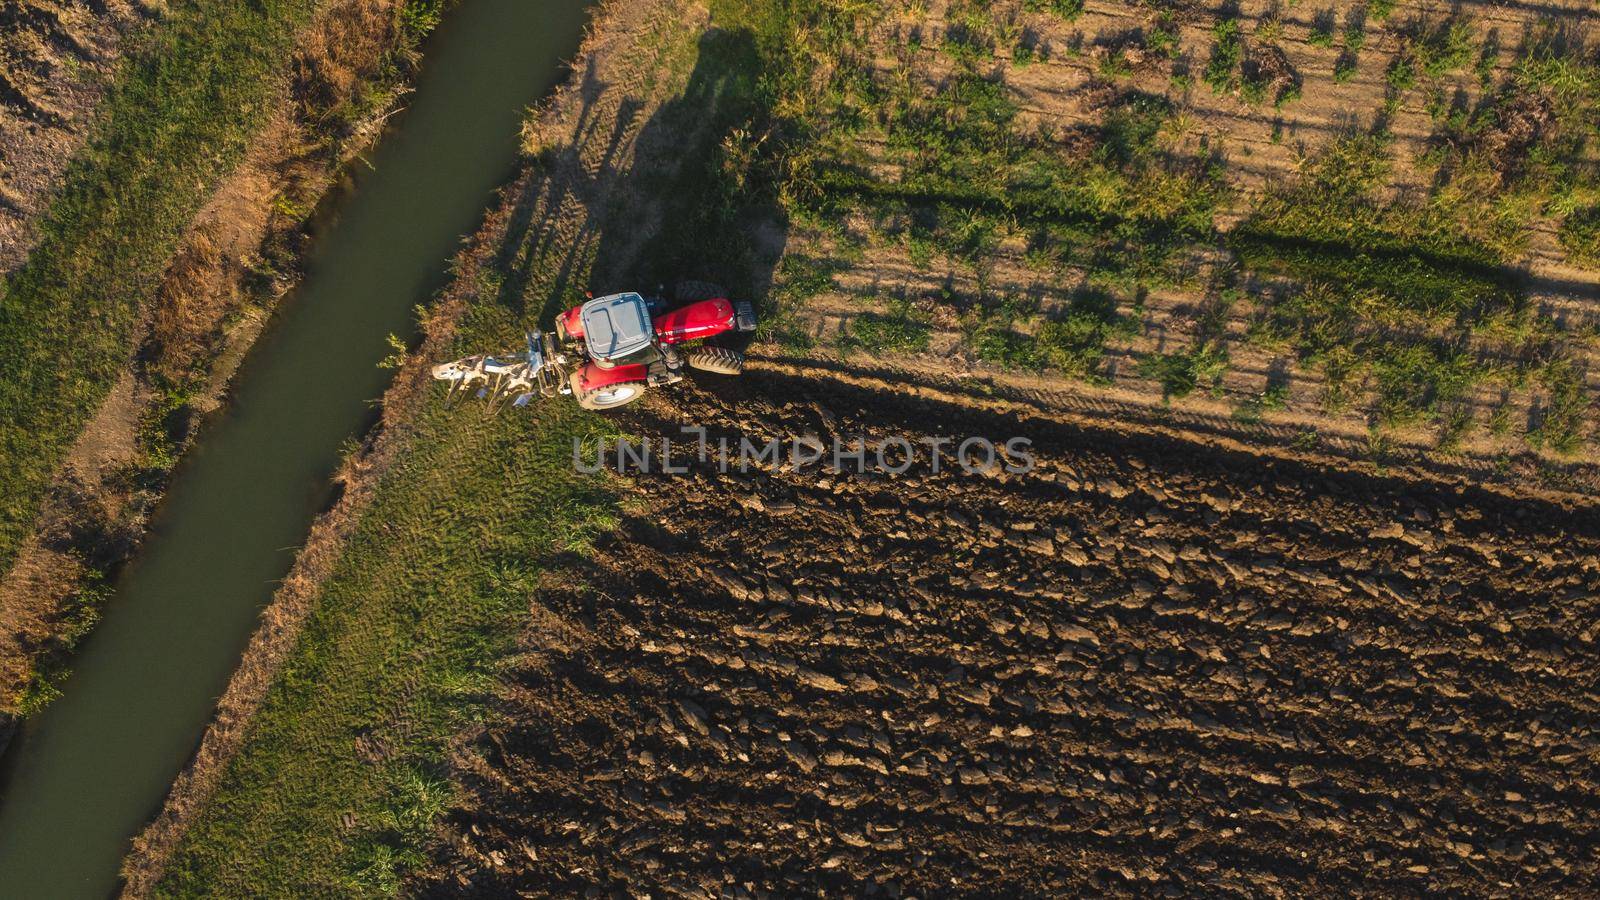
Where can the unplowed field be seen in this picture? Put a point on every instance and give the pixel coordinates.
(1073, 70)
(1143, 667)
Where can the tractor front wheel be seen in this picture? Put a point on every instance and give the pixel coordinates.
(608, 396)
(720, 360)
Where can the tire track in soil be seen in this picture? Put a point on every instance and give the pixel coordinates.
(1144, 667)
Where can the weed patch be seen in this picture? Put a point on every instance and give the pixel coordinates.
(1580, 235)
(1227, 51)
(1180, 373)
(901, 331)
(1065, 10)
(1563, 424)
(1517, 155)
(1072, 342)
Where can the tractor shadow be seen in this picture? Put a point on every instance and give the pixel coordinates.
(700, 202)
(643, 195)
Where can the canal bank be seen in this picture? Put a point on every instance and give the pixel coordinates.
(239, 253)
(92, 769)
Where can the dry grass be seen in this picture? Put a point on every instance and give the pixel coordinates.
(340, 57)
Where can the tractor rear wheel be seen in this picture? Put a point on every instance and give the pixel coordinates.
(608, 396)
(694, 291)
(720, 360)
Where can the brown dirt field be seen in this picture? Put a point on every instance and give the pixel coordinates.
(1146, 667)
(55, 57)
(1069, 88)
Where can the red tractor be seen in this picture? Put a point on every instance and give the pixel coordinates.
(607, 351)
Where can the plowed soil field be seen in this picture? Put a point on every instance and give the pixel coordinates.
(1142, 667)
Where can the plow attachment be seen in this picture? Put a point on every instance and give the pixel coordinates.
(506, 380)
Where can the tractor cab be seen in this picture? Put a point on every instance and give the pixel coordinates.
(617, 331)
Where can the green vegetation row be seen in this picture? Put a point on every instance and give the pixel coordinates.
(956, 173)
(1412, 299)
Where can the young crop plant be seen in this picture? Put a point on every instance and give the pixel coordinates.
(1402, 74)
(1344, 68)
(1445, 49)
(1455, 423)
(1253, 89)
(1227, 52)
(902, 330)
(1115, 65)
(1272, 398)
(1564, 418)
(1488, 57)
(1269, 30)
(1162, 39)
(1065, 10)
(1321, 33)
(1181, 373)
(975, 30)
(967, 47)
(1381, 10)
(1355, 37)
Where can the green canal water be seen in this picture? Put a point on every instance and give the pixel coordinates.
(91, 771)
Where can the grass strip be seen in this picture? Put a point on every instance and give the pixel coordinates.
(1390, 301)
(399, 654)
